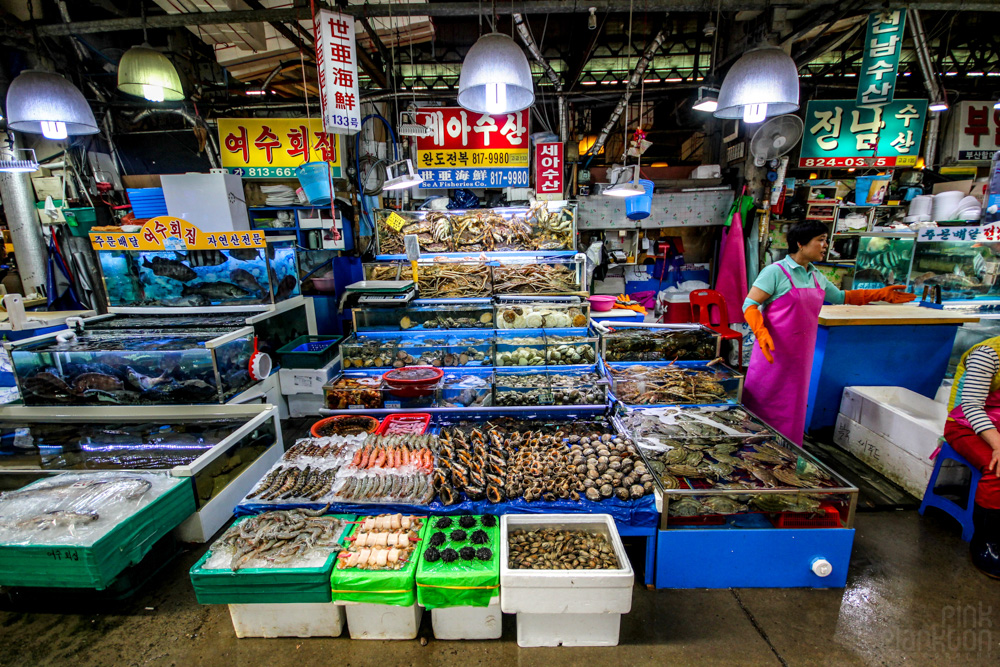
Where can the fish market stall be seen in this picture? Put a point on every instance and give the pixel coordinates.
(673, 382)
(220, 451)
(738, 495)
(878, 345)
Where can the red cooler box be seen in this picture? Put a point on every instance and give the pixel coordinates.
(678, 308)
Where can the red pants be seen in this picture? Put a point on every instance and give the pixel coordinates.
(975, 450)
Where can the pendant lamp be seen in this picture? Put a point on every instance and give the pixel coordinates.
(496, 77)
(762, 83)
(401, 176)
(44, 103)
(624, 182)
(145, 72)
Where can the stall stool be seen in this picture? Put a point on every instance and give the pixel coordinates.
(702, 301)
(932, 499)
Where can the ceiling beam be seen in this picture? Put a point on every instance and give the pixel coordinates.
(465, 9)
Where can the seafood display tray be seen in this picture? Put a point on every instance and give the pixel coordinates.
(641, 343)
(380, 587)
(263, 585)
(97, 566)
(501, 312)
(632, 385)
(461, 583)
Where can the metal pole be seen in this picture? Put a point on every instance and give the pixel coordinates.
(22, 221)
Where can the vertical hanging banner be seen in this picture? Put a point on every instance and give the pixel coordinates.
(467, 149)
(883, 47)
(337, 64)
(549, 170)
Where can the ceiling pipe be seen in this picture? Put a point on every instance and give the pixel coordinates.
(930, 83)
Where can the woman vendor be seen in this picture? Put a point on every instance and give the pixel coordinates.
(971, 430)
(791, 293)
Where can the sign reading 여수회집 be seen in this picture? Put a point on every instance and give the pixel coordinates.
(883, 47)
(838, 133)
(274, 147)
(467, 149)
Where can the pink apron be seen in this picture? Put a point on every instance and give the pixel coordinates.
(777, 392)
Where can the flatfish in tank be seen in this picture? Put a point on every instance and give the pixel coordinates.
(189, 301)
(245, 254)
(285, 288)
(215, 290)
(203, 257)
(170, 268)
(245, 279)
(144, 382)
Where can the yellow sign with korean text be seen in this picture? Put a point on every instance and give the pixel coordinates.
(153, 236)
(274, 147)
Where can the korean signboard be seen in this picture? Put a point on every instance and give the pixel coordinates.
(274, 147)
(975, 131)
(838, 133)
(337, 64)
(472, 150)
(938, 234)
(157, 230)
(883, 46)
(549, 170)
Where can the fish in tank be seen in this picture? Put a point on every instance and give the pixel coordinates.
(199, 278)
(882, 261)
(962, 270)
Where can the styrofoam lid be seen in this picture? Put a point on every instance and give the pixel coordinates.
(678, 297)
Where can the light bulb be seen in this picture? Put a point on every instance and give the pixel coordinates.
(54, 129)
(496, 97)
(754, 113)
(152, 93)
(592, 19)
(996, 105)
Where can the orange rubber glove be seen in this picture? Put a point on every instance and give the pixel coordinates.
(891, 294)
(756, 321)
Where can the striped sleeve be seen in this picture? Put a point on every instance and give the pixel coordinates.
(980, 368)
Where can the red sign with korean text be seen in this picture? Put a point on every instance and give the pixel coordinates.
(549, 169)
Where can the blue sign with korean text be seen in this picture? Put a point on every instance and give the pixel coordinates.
(883, 46)
(839, 133)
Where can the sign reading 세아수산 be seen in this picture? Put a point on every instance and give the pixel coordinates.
(838, 133)
(274, 147)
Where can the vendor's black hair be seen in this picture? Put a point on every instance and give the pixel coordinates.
(802, 233)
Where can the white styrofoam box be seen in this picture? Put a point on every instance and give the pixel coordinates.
(911, 421)
(307, 380)
(296, 619)
(382, 621)
(305, 405)
(892, 460)
(565, 591)
(943, 394)
(211, 202)
(468, 622)
(567, 629)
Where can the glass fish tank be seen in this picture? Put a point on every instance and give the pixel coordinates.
(882, 261)
(660, 344)
(452, 279)
(427, 314)
(544, 226)
(200, 278)
(531, 275)
(674, 383)
(134, 367)
(962, 267)
(547, 313)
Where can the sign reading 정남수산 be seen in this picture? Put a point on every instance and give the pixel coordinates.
(883, 47)
(467, 149)
(838, 133)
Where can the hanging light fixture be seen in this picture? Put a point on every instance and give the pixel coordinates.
(708, 99)
(940, 104)
(145, 72)
(40, 102)
(20, 166)
(762, 83)
(625, 182)
(496, 77)
(401, 176)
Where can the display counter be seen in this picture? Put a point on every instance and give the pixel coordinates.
(889, 345)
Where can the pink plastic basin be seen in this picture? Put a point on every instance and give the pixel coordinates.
(602, 303)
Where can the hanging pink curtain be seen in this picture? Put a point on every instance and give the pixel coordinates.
(732, 279)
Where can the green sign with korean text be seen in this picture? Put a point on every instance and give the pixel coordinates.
(883, 46)
(839, 133)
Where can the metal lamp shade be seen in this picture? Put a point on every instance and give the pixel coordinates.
(762, 76)
(495, 59)
(37, 97)
(143, 69)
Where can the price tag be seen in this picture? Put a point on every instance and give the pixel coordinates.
(395, 221)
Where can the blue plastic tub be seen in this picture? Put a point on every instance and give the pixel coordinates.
(639, 206)
(315, 180)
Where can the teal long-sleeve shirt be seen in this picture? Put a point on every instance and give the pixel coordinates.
(773, 281)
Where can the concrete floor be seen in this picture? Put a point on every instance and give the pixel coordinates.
(912, 597)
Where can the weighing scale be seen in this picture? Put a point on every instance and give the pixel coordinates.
(380, 293)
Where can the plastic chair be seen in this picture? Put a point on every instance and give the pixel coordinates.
(702, 301)
(931, 499)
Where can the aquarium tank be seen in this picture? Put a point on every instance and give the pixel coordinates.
(964, 268)
(882, 261)
(134, 368)
(200, 278)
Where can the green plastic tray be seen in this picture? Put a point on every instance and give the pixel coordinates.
(318, 352)
(264, 585)
(461, 583)
(395, 587)
(96, 566)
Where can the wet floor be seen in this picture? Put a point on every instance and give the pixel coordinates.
(912, 597)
